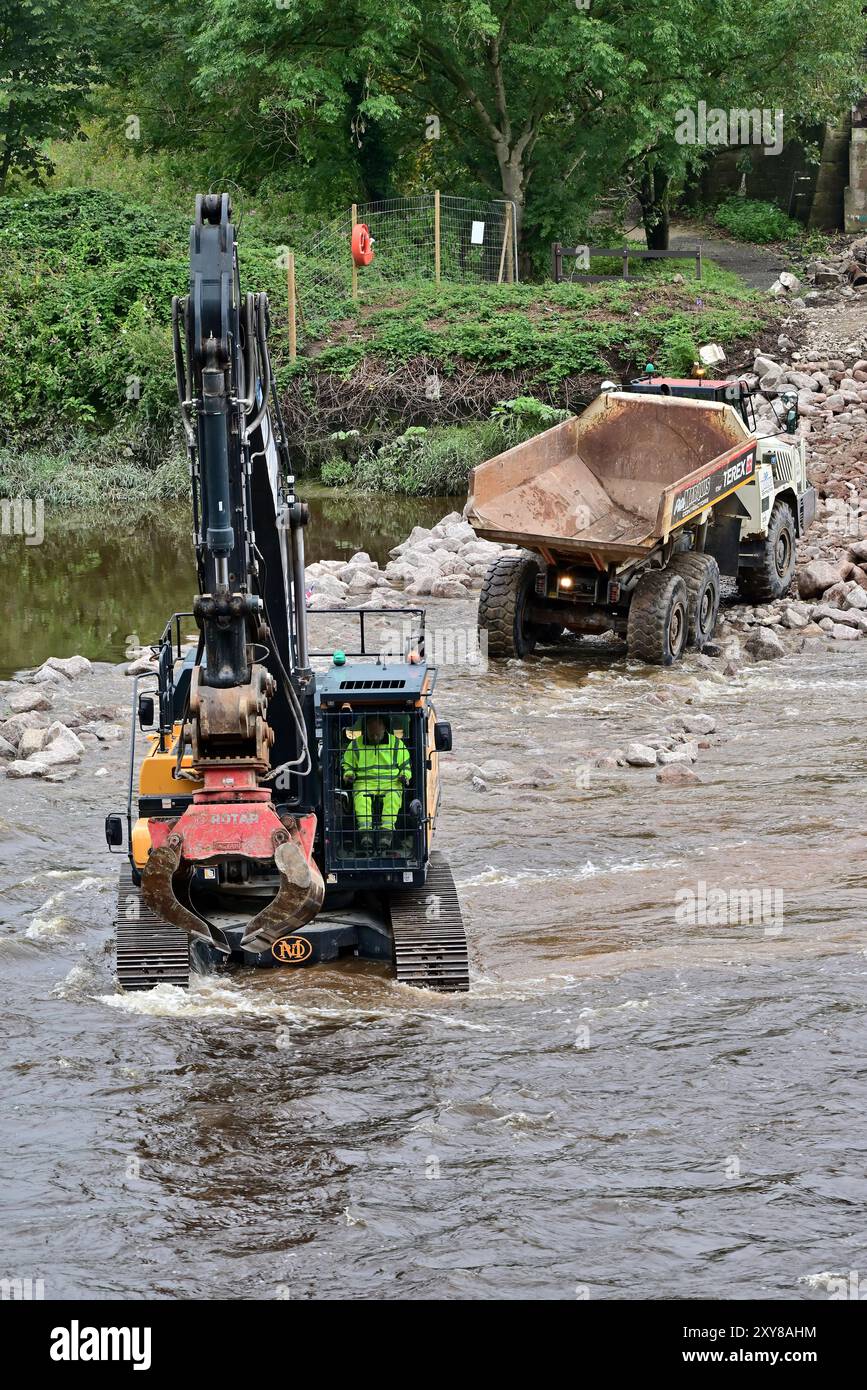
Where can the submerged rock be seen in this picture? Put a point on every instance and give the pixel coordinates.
(640, 755)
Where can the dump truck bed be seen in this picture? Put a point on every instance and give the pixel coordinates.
(615, 481)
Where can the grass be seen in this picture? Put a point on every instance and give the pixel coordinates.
(74, 473)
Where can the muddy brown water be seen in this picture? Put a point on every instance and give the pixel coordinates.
(626, 1104)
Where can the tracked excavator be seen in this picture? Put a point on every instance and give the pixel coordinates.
(282, 809)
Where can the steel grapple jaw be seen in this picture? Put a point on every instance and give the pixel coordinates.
(208, 833)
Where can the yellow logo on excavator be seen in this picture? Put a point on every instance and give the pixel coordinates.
(292, 950)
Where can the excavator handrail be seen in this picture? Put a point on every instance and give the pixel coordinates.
(362, 613)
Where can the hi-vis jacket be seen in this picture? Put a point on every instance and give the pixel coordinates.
(377, 765)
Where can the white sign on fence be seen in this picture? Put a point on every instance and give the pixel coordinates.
(477, 236)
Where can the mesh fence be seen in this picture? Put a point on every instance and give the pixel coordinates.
(373, 789)
(414, 240)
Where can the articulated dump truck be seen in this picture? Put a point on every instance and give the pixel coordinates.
(627, 515)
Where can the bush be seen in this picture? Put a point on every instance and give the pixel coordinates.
(752, 220)
(437, 461)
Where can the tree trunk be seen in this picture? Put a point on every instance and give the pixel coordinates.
(653, 197)
(512, 179)
(5, 164)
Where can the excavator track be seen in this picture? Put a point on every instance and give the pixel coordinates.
(149, 952)
(430, 944)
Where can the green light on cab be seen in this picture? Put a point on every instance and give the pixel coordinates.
(339, 658)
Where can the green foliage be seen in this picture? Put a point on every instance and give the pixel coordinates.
(47, 68)
(72, 473)
(526, 413)
(85, 308)
(437, 461)
(749, 219)
(428, 462)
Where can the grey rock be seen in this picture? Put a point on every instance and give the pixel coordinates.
(497, 770)
(763, 644)
(816, 577)
(699, 723)
(678, 775)
(640, 755)
(69, 666)
(27, 700)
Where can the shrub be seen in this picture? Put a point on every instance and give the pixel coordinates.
(752, 220)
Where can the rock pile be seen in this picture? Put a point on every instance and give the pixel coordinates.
(34, 741)
(445, 561)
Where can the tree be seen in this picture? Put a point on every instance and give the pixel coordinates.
(47, 69)
(547, 103)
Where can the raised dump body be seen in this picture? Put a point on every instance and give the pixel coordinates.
(614, 482)
(625, 518)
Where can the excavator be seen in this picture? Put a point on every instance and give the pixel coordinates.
(283, 808)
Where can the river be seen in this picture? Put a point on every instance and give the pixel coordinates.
(627, 1104)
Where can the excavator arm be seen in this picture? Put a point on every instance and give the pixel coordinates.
(249, 721)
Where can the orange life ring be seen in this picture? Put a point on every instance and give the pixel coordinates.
(362, 244)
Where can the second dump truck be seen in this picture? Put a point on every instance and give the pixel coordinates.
(627, 515)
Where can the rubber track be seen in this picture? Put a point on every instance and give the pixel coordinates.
(498, 601)
(431, 954)
(149, 952)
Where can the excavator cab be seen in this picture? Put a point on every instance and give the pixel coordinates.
(379, 759)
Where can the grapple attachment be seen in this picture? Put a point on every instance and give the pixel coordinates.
(234, 819)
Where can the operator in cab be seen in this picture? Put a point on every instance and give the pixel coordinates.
(377, 767)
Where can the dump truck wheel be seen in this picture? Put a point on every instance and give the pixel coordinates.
(773, 578)
(503, 604)
(658, 618)
(700, 574)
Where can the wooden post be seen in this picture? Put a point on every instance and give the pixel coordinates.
(354, 266)
(503, 251)
(510, 254)
(625, 263)
(437, 255)
(290, 287)
(698, 262)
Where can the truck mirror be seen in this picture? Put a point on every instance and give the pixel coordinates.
(145, 711)
(113, 831)
(443, 738)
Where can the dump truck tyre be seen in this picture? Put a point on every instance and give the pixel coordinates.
(700, 574)
(503, 601)
(658, 618)
(773, 579)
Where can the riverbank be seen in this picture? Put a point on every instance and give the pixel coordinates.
(88, 407)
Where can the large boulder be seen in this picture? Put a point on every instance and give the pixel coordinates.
(417, 534)
(69, 666)
(32, 741)
(449, 586)
(767, 367)
(13, 728)
(763, 644)
(641, 755)
(142, 666)
(27, 700)
(7, 749)
(816, 577)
